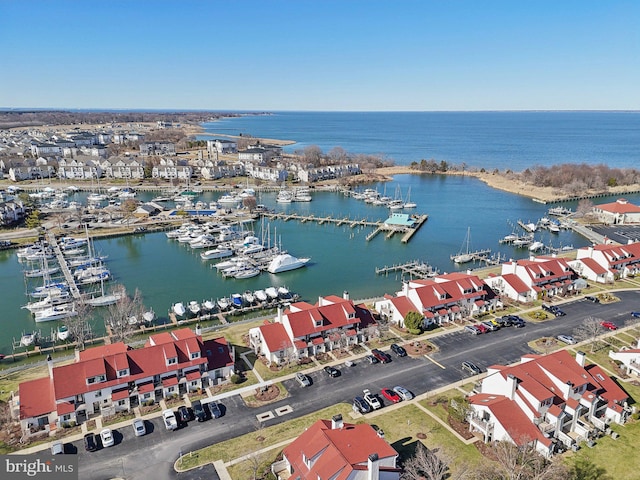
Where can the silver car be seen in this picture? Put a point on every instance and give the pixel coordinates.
(568, 339)
(138, 427)
(403, 393)
(302, 379)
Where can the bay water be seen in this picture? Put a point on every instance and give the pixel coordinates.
(341, 259)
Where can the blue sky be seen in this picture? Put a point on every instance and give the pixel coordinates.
(321, 55)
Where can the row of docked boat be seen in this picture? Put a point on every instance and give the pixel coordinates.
(297, 194)
(258, 298)
(397, 202)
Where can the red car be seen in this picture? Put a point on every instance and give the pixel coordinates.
(481, 327)
(390, 395)
(609, 325)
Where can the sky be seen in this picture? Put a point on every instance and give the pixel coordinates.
(323, 55)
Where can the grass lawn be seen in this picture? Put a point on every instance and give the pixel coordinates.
(627, 339)
(436, 402)
(10, 382)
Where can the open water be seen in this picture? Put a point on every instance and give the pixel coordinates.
(341, 259)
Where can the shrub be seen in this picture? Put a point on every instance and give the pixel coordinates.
(236, 379)
(415, 331)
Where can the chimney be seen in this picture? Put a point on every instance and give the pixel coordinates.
(198, 329)
(373, 467)
(279, 317)
(76, 354)
(512, 384)
(336, 422)
(580, 358)
(50, 366)
(320, 299)
(345, 295)
(405, 288)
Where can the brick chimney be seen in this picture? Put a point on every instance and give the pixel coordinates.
(373, 467)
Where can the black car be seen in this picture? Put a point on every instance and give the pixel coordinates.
(547, 308)
(214, 409)
(592, 299)
(559, 313)
(518, 323)
(360, 406)
(504, 321)
(198, 410)
(371, 359)
(90, 444)
(184, 415)
(331, 371)
(398, 350)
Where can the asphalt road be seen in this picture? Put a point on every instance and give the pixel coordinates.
(153, 455)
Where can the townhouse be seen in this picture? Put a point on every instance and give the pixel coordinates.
(304, 330)
(157, 148)
(337, 450)
(535, 278)
(629, 358)
(605, 263)
(553, 401)
(123, 167)
(445, 298)
(112, 378)
(79, 169)
(221, 146)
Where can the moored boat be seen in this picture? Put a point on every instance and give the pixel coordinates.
(272, 293)
(285, 262)
(260, 295)
(62, 333)
(179, 309)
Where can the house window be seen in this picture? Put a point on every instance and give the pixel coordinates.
(121, 402)
(318, 323)
(66, 417)
(195, 355)
(170, 389)
(98, 394)
(172, 361)
(91, 380)
(123, 373)
(146, 395)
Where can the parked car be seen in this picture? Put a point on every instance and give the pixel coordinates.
(490, 326)
(609, 325)
(332, 371)
(184, 415)
(138, 427)
(302, 379)
(515, 318)
(57, 447)
(371, 399)
(504, 321)
(398, 350)
(558, 312)
(481, 327)
(635, 314)
(593, 299)
(90, 444)
(170, 421)
(403, 392)
(518, 323)
(371, 359)
(495, 322)
(473, 329)
(106, 437)
(568, 339)
(390, 395)
(471, 367)
(360, 406)
(199, 411)
(381, 356)
(547, 308)
(214, 409)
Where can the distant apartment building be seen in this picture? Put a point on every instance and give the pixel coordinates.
(78, 169)
(158, 148)
(123, 167)
(11, 212)
(221, 146)
(328, 172)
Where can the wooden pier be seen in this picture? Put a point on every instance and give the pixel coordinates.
(64, 266)
(414, 268)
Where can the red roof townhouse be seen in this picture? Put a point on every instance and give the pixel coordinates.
(444, 298)
(526, 280)
(547, 400)
(339, 451)
(112, 378)
(629, 358)
(305, 330)
(605, 262)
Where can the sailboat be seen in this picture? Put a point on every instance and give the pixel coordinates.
(408, 203)
(464, 255)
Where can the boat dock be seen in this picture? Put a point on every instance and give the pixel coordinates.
(414, 268)
(378, 225)
(64, 266)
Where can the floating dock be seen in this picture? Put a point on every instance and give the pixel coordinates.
(414, 268)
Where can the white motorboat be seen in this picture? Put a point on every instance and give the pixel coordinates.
(208, 305)
(178, 309)
(285, 262)
(260, 295)
(194, 308)
(230, 200)
(249, 297)
(27, 339)
(149, 316)
(57, 312)
(284, 196)
(236, 300)
(284, 293)
(272, 293)
(62, 333)
(223, 303)
(48, 301)
(218, 252)
(132, 320)
(536, 246)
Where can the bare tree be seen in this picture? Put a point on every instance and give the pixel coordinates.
(590, 329)
(78, 325)
(313, 155)
(120, 316)
(433, 464)
(250, 203)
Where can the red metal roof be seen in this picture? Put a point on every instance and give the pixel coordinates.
(65, 407)
(145, 387)
(36, 398)
(120, 394)
(317, 341)
(169, 381)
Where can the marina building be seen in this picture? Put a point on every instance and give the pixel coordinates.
(114, 378)
(547, 400)
(620, 212)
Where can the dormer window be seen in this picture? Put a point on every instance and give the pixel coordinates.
(195, 355)
(318, 323)
(172, 361)
(123, 373)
